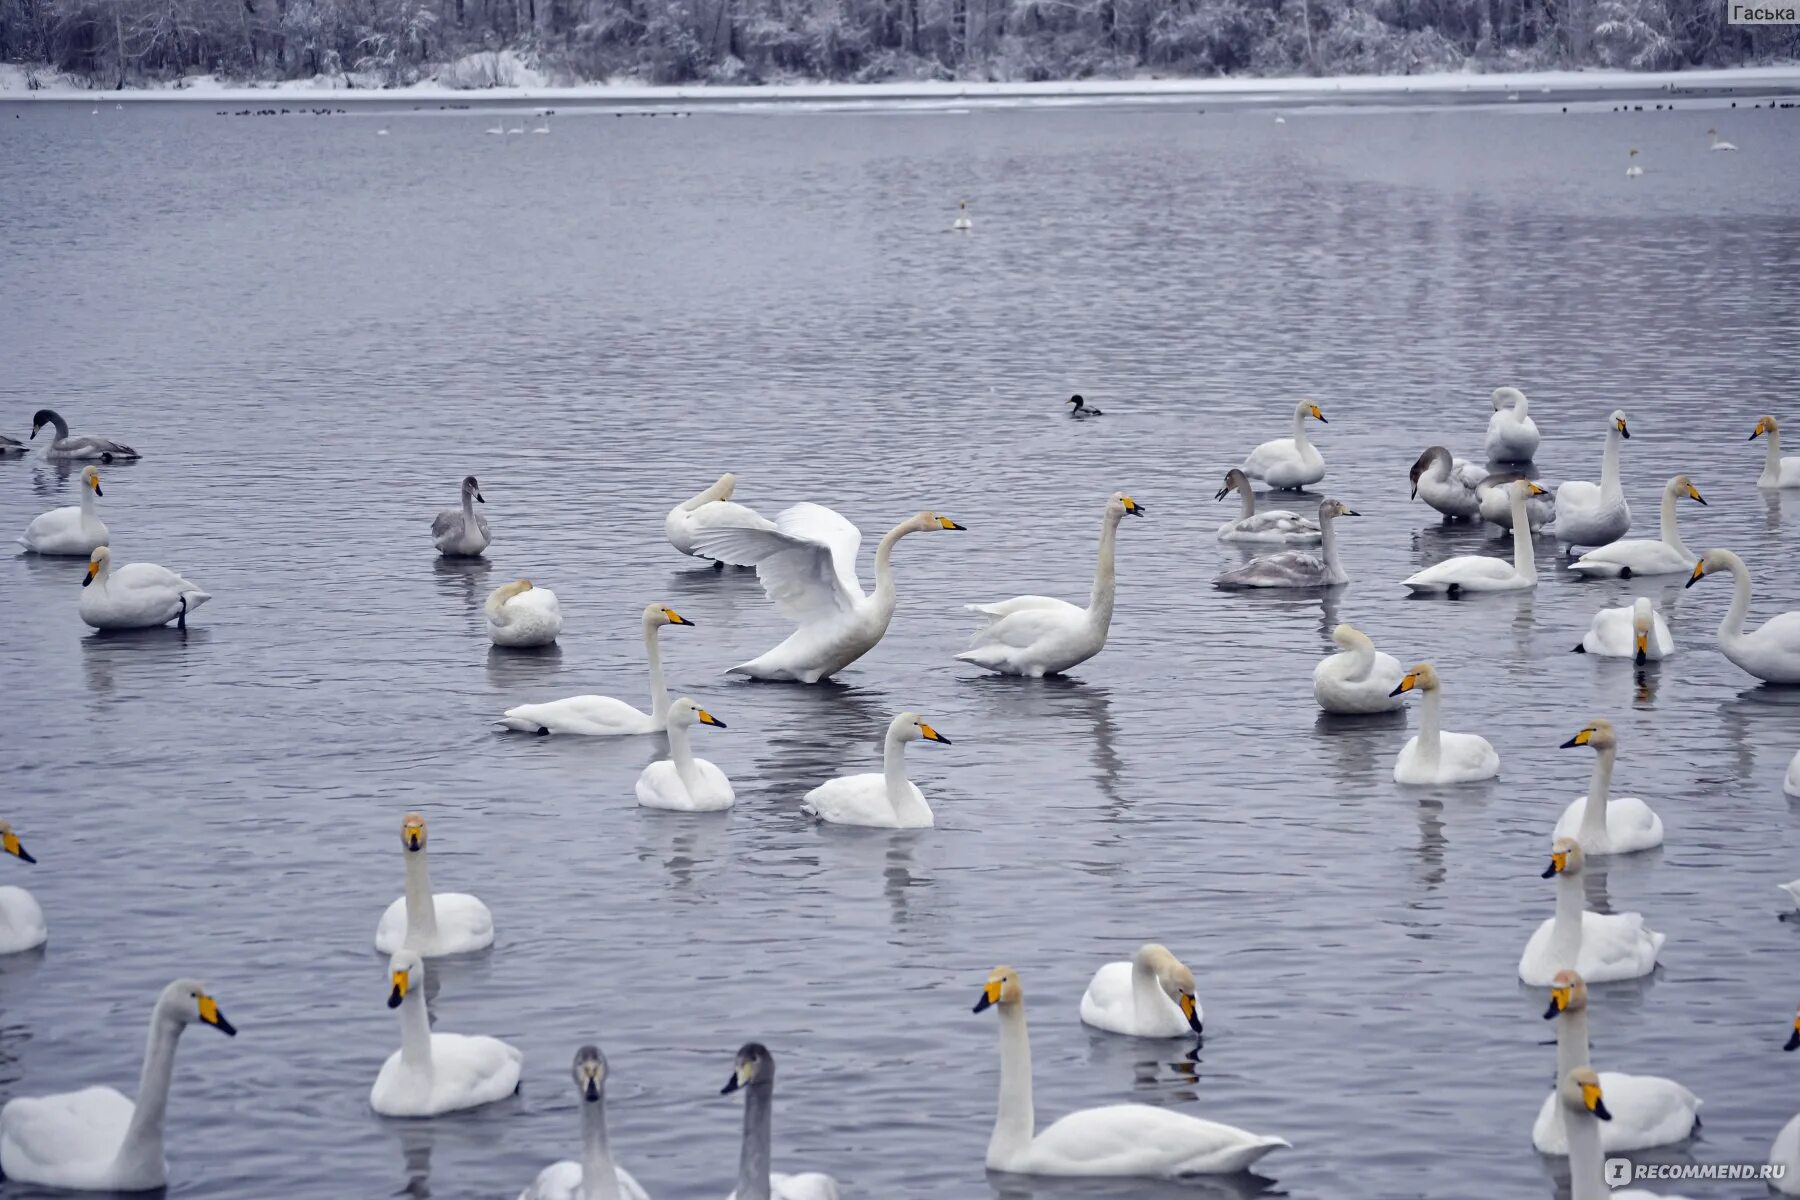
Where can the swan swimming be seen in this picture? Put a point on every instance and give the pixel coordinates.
(1480, 573)
(462, 533)
(1667, 555)
(435, 1073)
(519, 614)
(1448, 484)
(80, 445)
(75, 529)
(1786, 1150)
(1777, 472)
(1296, 568)
(754, 1074)
(886, 801)
(1358, 679)
(1593, 515)
(807, 565)
(1432, 755)
(1277, 525)
(1633, 171)
(1583, 1099)
(96, 1140)
(1134, 1140)
(711, 509)
(603, 716)
(1512, 436)
(681, 782)
(1290, 463)
(1036, 636)
(1081, 410)
(1603, 947)
(431, 924)
(1604, 824)
(596, 1176)
(136, 595)
(1637, 631)
(1151, 996)
(1772, 652)
(963, 222)
(1719, 143)
(21, 920)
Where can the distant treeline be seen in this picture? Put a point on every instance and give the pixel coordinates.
(384, 42)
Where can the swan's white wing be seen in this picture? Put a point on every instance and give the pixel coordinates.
(1647, 1110)
(806, 563)
(1467, 473)
(470, 1070)
(1007, 607)
(562, 1181)
(1027, 626)
(810, 1186)
(727, 514)
(851, 800)
(53, 1139)
(1136, 1139)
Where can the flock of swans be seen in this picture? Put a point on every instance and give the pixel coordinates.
(805, 558)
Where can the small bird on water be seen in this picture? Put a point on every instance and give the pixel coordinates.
(1082, 409)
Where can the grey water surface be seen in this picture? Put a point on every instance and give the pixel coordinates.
(313, 332)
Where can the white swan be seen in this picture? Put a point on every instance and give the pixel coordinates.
(543, 125)
(435, 1073)
(96, 1140)
(462, 532)
(1647, 1110)
(886, 801)
(80, 445)
(1583, 1100)
(1635, 631)
(603, 716)
(499, 125)
(1289, 463)
(430, 923)
(519, 614)
(754, 1074)
(1602, 823)
(1785, 1152)
(1603, 947)
(596, 1176)
(1719, 143)
(1359, 678)
(1151, 996)
(1770, 653)
(1280, 526)
(1296, 568)
(1777, 472)
(1480, 573)
(1590, 514)
(1493, 496)
(711, 509)
(136, 595)
(21, 920)
(1629, 557)
(807, 565)
(75, 529)
(963, 222)
(1512, 436)
(1432, 755)
(1134, 1140)
(1036, 636)
(1633, 171)
(1448, 484)
(681, 782)
(1791, 784)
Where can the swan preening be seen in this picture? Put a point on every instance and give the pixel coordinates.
(754, 1074)
(1512, 436)
(886, 801)
(434, 1073)
(519, 614)
(1357, 679)
(1277, 525)
(1589, 514)
(96, 1140)
(1448, 484)
(1036, 636)
(1771, 652)
(1602, 947)
(1080, 409)
(1120, 1139)
(426, 922)
(1151, 996)
(682, 782)
(1290, 463)
(1666, 555)
(1296, 568)
(1601, 823)
(596, 1176)
(136, 595)
(75, 529)
(1433, 755)
(1635, 631)
(1777, 472)
(462, 532)
(1478, 572)
(807, 565)
(79, 445)
(21, 920)
(711, 509)
(603, 716)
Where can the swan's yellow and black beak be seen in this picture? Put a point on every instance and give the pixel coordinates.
(1132, 507)
(92, 571)
(1559, 860)
(412, 835)
(1319, 416)
(1693, 494)
(1535, 490)
(397, 996)
(1596, 1103)
(706, 718)
(675, 618)
(1190, 1008)
(9, 842)
(210, 1015)
(1559, 1000)
(947, 523)
(990, 995)
(932, 735)
(1793, 1042)
(1406, 684)
(1762, 427)
(1699, 573)
(739, 1078)
(1643, 647)
(97, 490)
(480, 499)
(1580, 739)
(1624, 431)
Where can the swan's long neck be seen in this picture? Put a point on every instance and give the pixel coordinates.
(1100, 602)
(421, 908)
(1300, 442)
(1772, 463)
(899, 790)
(884, 568)
(1593, 814)
(1248, 495)
(468, 506)
(1015, 1123)
(681, 753)
(1430, 745)
(1571, 1041)
(1524, 553)
(87, 501)
(1565, 930)
(1146, 993)
(415, 1032)
(1609, 468)
(719, 491)
(1328, 544)
(659, 695)
(61, 426)
(1732, 627)
(1585, 1164)
(753, 1159)
(1671, 527)
(144, 1136)
(599, 1177)
(1521, 407)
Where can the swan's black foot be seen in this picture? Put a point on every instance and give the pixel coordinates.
(106, 458)
(718, 564)
(181, 619)
(542, 731)
(1625, 573)
(1453, 591)
(1579, 650)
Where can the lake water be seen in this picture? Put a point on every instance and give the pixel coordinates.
(313, 332)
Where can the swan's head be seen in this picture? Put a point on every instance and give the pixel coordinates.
(187, 1002)
(1765, 425)
(1176, 981)
(1618, 419)
(1235, 480)
(911, 727)
(507, 591)
(1527, 488)
(412, 832)
(98, 564)
(1306, 408)
(930, 521)
(472, 488)
(406, 971)
(1433, 455)
(1568, 993)
(1002, 987)
(590, 1073)
(1507, 397)
(1634, 153)
(9, 842)
(1566, 858)
(657, 615)
(1119, 504)
(1329, 508)
(1422, 678)
(685, 713)
(1349, 637)
(1580, 1088)
(722, 491)
(1712, 560)
(1793, 1042)
(755, 1066)
(90, 478)
(43, 417)
(1643, 620)
(1681, 485)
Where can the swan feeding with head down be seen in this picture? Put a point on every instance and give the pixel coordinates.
(1151, 996)
(426, 922)
(435, 1073)
(1289, 463)
(136, 595)
(596, 1176)
(1448, 484)
(886, 801)
(1279, 526)
(21, 919)
(1602, 823)
(1433, 755)
(1512, 436)
(77, 446)
(1777, 472)
(1636, 631)
(1771, 652)
(519, 614)
(74, 529)
(1296, 568)
(462, 532)
(1480, 573)
(807, 565)
(1589, 514)
(1603, 947)
(1629, 557)
(1358, 679)
(603, 716)
(682, 782)
(712, 509)
(753, 1073)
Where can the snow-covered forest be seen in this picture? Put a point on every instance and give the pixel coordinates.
(475, 42)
